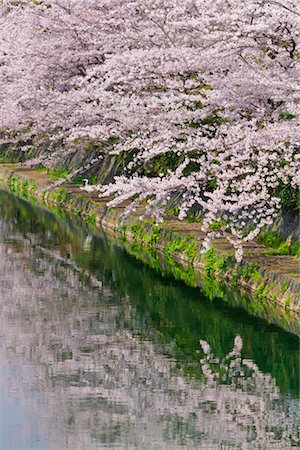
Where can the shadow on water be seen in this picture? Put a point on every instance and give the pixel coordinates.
(95, 344)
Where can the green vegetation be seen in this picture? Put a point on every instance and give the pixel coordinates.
(286, 115)
(145, 233)
(211, 264)
(288, 301)
(249, 270)
(257, 276)
(262, 294)
(216, 263)
(245, 272)
(281, 247)
(8, 159)
(173, 211)
(184, 244)
(284, 287)
(58, 196)
(289, 197)
(25, 189)
(160, 164)
(216, 225)
(41, 168)
(91, 217)
(80, 179)
(58, 172)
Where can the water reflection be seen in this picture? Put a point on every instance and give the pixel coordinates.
(246, 396)
(97, 351)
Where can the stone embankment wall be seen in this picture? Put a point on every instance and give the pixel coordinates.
(79, 154)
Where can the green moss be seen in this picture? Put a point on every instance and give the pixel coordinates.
(58, 196)
(32, 188)
(145, 233)
(249, 271)
(182, 244)
(262, 294)
(13, 182)
(138, 232)
(91, 217)
(186, 274)
(289, 197)
(148, 234)
(24, 188)
(286, 115)
(154, 236)
(216, 225)
(59, 172)
(21, 188)
(256, 276)
(191, 250)
(41, 168)
(287, 301)
(211, 264)
(78, 180)
(279, 246)
(44, 194)
(269, 239)
(284, 287)
(161, 164)
(79, 212)
(174, 211)
(122, 230)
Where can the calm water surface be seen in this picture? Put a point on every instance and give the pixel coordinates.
(98, 351)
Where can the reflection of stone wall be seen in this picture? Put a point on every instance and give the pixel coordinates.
(92, 381)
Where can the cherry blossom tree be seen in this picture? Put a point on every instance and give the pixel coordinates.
(213, 86)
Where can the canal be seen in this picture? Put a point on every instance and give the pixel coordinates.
(98, 351)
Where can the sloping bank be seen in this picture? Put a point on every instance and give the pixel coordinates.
(266, 285)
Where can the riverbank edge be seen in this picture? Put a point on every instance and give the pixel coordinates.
(170, 248)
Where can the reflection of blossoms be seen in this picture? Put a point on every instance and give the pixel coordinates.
(78, 342)
(248, 397)
(233, 370)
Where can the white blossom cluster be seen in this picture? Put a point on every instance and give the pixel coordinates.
(214, 83)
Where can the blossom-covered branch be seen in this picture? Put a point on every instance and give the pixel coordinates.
(215, 84)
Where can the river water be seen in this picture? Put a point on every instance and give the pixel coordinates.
(98, 351)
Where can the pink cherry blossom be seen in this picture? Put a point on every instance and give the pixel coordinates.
(215, 83)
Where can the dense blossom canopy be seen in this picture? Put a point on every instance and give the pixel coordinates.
(213, 83)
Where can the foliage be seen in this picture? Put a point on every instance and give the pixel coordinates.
(58, 196)
(24, 188)
(280, 246)
(91, 217)
(262, 293)
(283, 287)
(56, 173)
(184, 244)
(289, 197)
